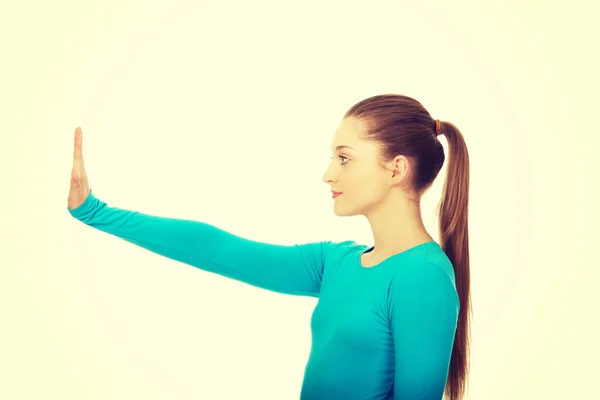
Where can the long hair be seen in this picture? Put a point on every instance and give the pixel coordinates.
(402, 126)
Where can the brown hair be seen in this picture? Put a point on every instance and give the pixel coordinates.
(402, 126)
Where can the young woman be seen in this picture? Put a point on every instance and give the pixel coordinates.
(392, 320)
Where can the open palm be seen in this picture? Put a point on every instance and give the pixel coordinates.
(80, 188)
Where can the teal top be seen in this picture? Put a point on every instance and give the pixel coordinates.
(381, 332)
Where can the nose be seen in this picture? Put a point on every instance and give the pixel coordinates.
(327, 176)
(331, 175)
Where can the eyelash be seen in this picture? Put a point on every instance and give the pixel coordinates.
(343, 163)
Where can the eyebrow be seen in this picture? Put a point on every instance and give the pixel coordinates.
(343, 146)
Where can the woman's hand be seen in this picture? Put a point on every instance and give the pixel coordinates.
(80, 188)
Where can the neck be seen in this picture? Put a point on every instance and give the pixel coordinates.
(397, 225)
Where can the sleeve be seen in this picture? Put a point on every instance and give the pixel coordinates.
(424, 307)
(293, 269)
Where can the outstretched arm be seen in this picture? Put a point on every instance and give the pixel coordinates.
(293, 269)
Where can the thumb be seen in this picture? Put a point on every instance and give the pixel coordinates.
(75, 179)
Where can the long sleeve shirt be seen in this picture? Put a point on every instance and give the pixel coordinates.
(382, 332)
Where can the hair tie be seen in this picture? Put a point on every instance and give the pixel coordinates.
(438, 127)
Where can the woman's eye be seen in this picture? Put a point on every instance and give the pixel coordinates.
(343, 158)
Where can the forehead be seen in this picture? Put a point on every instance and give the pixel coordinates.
(348, 133)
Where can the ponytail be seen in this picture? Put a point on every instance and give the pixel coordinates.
(454, 240)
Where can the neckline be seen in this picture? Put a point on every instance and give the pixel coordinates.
(393, 256)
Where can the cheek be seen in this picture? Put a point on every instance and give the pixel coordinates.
(373, 189)
(366, 189)
(361, 183)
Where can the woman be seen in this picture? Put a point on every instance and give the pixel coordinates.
(391, 320)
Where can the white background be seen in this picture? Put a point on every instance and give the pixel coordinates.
(224, 112)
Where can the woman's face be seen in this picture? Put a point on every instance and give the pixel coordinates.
(354, 171)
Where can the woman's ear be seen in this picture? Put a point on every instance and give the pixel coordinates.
(400, 169)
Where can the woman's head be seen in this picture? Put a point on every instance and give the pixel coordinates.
(395, 154)
(385, 133)
(355, 170)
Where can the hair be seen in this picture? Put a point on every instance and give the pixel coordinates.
(402, 126)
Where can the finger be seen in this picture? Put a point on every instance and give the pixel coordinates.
(77, 152)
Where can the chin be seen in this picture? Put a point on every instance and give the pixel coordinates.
(338, 211)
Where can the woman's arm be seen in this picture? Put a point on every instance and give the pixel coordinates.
(295, 269)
